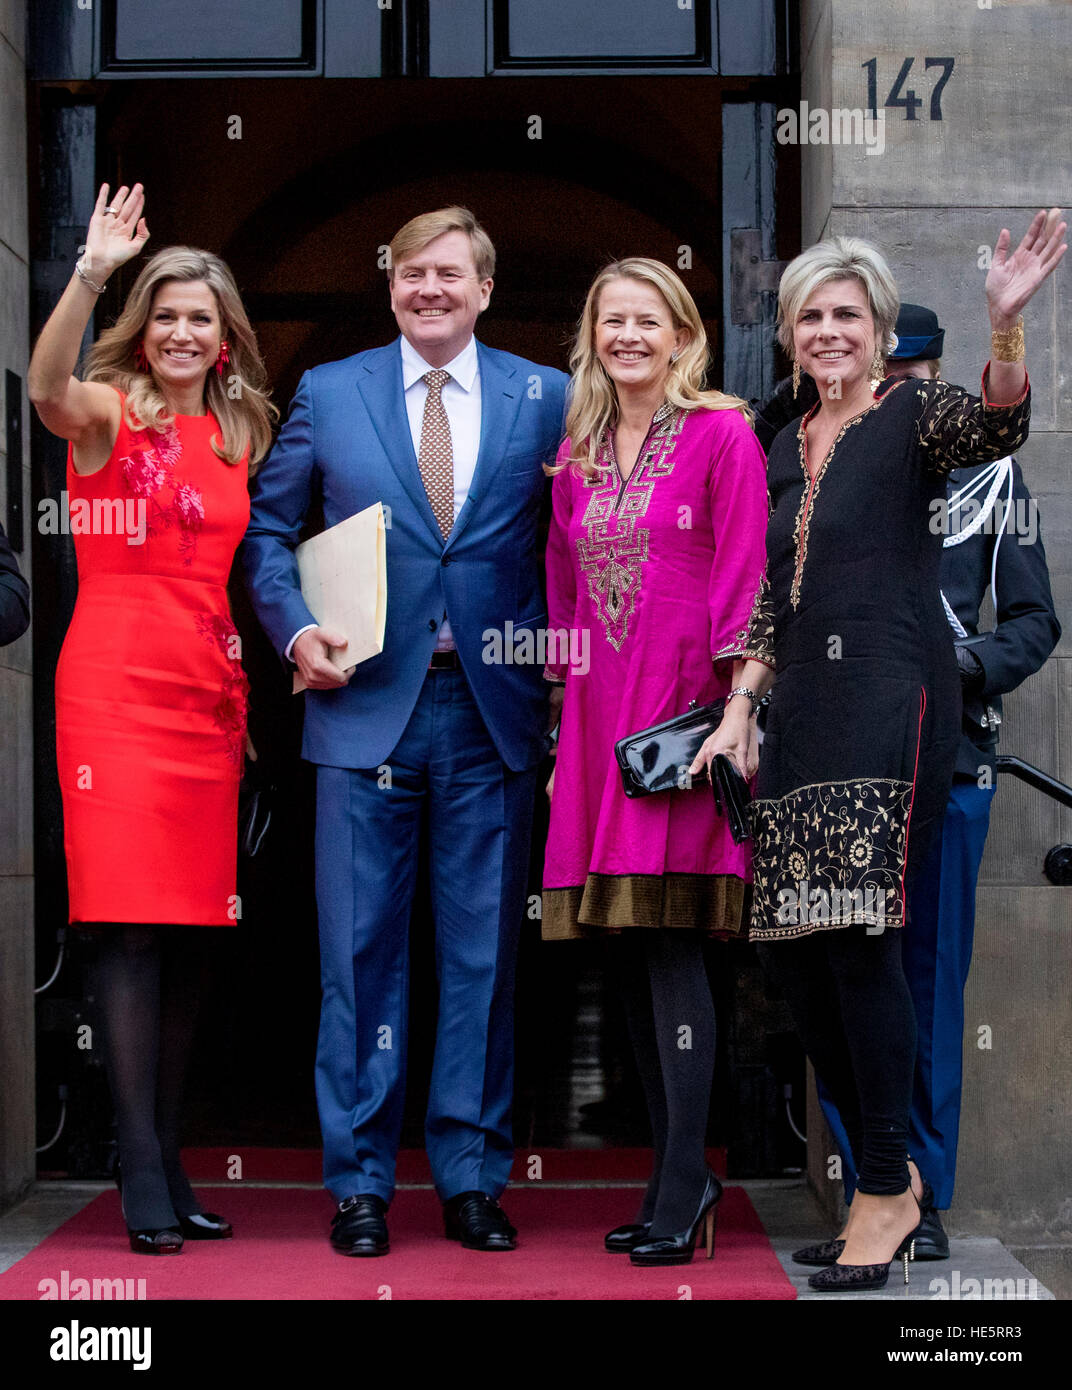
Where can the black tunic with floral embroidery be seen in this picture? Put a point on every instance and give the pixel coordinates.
(864, 720)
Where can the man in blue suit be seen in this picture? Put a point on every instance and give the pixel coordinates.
(450, 436)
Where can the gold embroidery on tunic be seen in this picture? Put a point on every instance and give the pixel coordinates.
(829, 855)
(614, 547)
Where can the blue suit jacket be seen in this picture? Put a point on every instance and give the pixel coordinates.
(348, 439)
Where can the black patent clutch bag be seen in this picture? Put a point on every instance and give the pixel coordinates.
(732, 797)
(657, 759)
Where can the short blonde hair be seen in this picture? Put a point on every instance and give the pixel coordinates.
(594, 399)
(419, 231)
(838, 258)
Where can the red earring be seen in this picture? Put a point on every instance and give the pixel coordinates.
(223, 357)
(140, 359)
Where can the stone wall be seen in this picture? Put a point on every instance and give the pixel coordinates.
(939, 192)
(16, 742)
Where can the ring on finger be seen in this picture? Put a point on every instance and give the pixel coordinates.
(111, 212)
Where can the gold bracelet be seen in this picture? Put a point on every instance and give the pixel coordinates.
(1007, 344)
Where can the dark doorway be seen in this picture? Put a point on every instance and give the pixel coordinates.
(300, 185)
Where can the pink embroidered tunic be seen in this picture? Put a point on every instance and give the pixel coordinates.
(653, 577)
(150, 691)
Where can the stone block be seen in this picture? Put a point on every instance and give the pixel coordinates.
(16, 772)
(816, 161)
(14, 322)
(13, 215)
(17, 1110)
(13, 24)
(1001, 106)
(1014, 1173)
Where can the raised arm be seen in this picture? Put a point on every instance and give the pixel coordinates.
(87, 413)
(1012, 281)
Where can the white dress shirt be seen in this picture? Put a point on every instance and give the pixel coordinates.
(461, 400)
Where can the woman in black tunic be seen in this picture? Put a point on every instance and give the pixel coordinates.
(864, 720)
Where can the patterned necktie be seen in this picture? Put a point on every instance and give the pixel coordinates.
(436, 456)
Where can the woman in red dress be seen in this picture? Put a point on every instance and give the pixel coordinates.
(150, 691)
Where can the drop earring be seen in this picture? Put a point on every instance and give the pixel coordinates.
(140, 359)
(222, 357)
(878, 369)
(796, 377)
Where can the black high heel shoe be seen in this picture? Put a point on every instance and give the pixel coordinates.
(827, 1252)
(678, 1249)
(623, 1239)
(837, 1278)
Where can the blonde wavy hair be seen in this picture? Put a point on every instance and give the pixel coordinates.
(594, 400)
(245, 423)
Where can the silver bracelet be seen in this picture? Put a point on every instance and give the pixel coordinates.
(753, 698)
(85, 278)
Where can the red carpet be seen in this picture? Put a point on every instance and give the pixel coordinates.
(281, 1252)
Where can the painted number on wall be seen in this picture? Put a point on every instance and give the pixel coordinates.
(908, 100)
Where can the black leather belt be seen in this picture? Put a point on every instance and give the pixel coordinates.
(444, 661)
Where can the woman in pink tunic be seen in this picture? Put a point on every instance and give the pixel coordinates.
(655, 554)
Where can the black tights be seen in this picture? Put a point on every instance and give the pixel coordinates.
(854, 1014)
(664, 988)
(146, 982)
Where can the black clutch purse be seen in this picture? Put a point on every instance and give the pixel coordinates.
(732, 797)
(656, 759)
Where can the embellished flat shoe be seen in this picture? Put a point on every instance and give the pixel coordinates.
(205, 1225)
(167, 1241)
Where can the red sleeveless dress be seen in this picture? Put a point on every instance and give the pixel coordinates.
(150, 691)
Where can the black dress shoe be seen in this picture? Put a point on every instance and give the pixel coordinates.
(932, 1243)
(478, 1222)
(622, 1239)
(205, 1225)
(359, 1227)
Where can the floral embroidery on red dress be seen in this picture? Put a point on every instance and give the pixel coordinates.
(613, 549)
(151, 467)
(230, 710)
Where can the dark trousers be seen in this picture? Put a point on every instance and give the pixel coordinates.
(851, 1005)
(479, 816)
